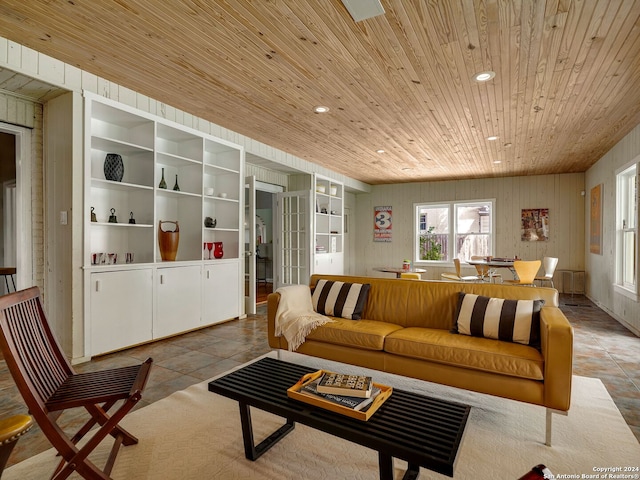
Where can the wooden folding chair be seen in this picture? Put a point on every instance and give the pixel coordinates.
(49, 386)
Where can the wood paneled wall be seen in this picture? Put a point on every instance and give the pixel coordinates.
(601, 268)
(561, 194)
(266, 175)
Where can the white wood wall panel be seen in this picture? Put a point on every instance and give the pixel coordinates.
(601, 268)
(559, 193)
(266, 175)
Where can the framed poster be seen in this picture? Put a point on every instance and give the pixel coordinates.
(382, 227)
(535, 225)
(595, 216)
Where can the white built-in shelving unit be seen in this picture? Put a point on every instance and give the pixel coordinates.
(147, 299)
(328, 226)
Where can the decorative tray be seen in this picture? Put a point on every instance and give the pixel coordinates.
(294, 392)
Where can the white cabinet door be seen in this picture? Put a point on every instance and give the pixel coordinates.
(221, 290)
(329, 264)
(178, 300)
(121, 309)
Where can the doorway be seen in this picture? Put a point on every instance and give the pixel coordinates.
(15, 211)
(264, 244)
(259, 238)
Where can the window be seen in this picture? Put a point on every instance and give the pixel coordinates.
(627, 228)
(444, 231)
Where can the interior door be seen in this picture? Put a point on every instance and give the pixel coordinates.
(250, 245)
(293, 238)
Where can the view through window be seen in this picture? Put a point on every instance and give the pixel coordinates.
(627, 228)
(445, 231)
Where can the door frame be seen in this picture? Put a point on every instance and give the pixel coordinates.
(24, 216)
(250, 239)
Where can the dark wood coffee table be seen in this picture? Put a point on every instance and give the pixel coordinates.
(423, 431)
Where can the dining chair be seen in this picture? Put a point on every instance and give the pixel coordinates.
(526, 271)
(11, 429)
(549, 265)
(411, 276)
(457, 277)
(484, 271)
(49, 386)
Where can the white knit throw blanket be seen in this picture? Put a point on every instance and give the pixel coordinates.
(295, 317)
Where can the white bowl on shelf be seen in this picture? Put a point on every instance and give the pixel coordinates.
(208, 191)
(223, 195)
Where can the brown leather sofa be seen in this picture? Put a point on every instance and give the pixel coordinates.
(405, 329)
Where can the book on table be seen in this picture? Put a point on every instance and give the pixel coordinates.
(355, 403)
(345, 385)
(336, 403)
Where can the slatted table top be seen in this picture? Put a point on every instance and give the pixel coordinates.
(421, 430)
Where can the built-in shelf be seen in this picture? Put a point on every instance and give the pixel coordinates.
(150, 148)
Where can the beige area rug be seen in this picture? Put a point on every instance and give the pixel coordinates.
(195, 434)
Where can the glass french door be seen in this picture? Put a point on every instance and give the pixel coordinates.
(294, 238)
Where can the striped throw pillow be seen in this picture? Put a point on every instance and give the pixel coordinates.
(340, 299)
(509, 320)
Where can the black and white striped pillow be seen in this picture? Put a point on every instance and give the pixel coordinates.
(509, 320)
(340, 299)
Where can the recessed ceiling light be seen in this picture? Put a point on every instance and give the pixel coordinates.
(484, 76)
(320, 109)
(497, 161)
(492, 137)
(380, 150)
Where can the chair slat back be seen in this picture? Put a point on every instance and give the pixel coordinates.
(33, 355)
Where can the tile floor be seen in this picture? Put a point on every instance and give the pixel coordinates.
(602, 349)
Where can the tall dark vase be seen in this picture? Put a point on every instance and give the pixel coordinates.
(113, 167)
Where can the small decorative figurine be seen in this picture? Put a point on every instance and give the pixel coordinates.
(131, 219)
(210, 222)
(93, 215)
(112, 217)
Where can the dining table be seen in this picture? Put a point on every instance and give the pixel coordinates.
(399, 270)
(496, 262)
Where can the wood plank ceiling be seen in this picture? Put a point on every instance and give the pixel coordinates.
(567, 84)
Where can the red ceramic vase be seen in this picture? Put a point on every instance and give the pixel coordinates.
(217, 250)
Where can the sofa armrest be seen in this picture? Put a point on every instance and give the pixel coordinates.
(272, 307)
(556, 335)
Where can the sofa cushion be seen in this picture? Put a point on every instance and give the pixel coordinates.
(365, 334)
(340, 299)
(483, 354)
(508, 320)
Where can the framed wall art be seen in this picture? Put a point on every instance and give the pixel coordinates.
(595, 217)
(535, 225)
(382, 227)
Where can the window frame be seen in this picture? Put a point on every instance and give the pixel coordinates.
(452, 207)
(623, 205)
